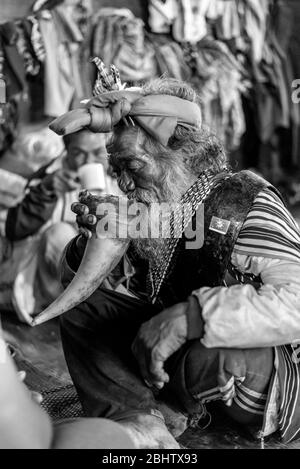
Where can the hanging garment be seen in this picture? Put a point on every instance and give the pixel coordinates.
(13, 65)
(227, 21)
(220, 82)
(275, 108)
(284, 22)
(162, 14)
(45, 5)
(170, 57)
(87, 68)
(8, 127)
(118, 38)
(24, 47)
(33, 28)
(190, 23)
(70, 35)
(59, 84)
(185, 18)
(273, 103)
(254, 20)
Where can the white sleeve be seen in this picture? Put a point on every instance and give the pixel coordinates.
(241, 316)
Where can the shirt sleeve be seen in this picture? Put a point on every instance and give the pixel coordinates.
(30, 214)
(241, 316)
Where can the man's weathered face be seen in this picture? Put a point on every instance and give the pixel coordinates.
(147, 179)
(144, 176)
(138, 175)
(86, 147)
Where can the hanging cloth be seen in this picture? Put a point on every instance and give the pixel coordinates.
(59, 85)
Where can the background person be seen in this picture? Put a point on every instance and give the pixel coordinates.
(44, 214)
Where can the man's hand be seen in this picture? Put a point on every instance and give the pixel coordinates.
(157, 340)
(85, 220)
(61, 181)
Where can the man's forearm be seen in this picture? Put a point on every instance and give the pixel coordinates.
(241, 317)
(30, 214)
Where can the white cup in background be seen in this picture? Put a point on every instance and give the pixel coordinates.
(92, 177)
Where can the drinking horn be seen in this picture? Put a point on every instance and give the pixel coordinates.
(102, 253)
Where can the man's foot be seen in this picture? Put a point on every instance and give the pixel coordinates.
(149, 431)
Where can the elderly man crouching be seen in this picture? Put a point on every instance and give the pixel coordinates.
(212, 323)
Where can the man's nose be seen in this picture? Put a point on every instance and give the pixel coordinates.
(130, 186)
(90, 158)
(126, 183)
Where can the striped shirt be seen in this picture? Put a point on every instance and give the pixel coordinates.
(269, 230)
(267, 248)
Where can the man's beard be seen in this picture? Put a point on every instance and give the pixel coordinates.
(169, 193)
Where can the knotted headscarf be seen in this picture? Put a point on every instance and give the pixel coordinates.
(158, 115)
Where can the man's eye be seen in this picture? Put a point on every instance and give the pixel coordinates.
(137, 166)
(78, 156)
(101, 154)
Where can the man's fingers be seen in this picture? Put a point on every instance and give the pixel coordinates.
(79, 209)
(156, 368)
(86, 224)
(85, 232)
(88, 219)
(84, 196)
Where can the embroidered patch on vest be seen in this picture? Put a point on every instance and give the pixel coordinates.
(219, 225)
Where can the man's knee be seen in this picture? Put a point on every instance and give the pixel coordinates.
(91, 315)
(198, 372)
(192, 369)
(200, 365)
(201, 362)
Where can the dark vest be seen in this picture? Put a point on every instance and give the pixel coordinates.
(209, 266)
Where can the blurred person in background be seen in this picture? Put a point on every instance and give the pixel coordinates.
(44, 214)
